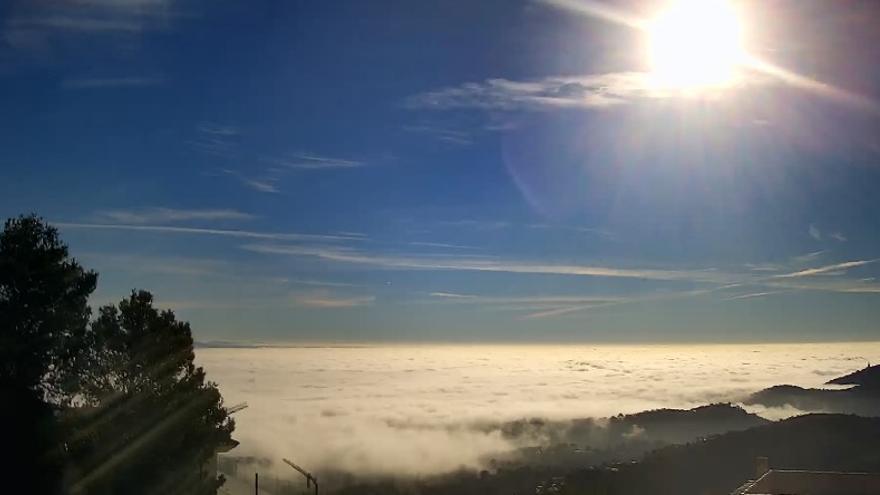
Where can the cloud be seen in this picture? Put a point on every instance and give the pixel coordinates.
(563, 311)
(837, 236)
(551, 93)
(324, 299)
(264, 185)
(763, 267)
(449, 136)
(585, 230)
(804, 258)
(451, 295)
(167, 215)
(247, 234)
(221, 140)
(216, 139)
(38, 25)
(114, 82)
(538, 306)
(216, 129)
(752, 295)
(76, 24)
(441, 245)
(476, 224)
(359, 409)
(548, 93)
(598, 10)
(838, 267)
(322, 283)
(485, 265)
(814, 232)
(311, 161)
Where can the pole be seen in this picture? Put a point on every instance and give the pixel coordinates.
(309, 477)
(256, 484)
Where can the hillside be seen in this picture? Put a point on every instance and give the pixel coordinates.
(718, 465)
(862, 399)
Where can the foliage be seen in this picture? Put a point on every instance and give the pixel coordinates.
(115, 406)
(152, 420)
(43, 307)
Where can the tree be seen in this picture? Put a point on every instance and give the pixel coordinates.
(43, 318)
(43, 306)
(151, 421)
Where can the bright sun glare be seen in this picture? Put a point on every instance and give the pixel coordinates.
(696, 44)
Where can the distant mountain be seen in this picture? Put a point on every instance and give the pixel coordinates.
(869, 377)
(862, 399)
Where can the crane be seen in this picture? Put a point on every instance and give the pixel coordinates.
(309, 478)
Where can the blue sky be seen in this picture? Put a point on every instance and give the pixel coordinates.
(478, 171)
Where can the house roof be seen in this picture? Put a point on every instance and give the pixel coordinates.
(794, 482)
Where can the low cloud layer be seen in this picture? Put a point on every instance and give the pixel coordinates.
(419, 409)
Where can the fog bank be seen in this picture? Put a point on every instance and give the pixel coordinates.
(424, 409)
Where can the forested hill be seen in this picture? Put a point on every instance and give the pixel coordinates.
(862, 399)
(719, 465)
(868, 377)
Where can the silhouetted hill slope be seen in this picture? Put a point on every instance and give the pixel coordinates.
(583, 442)
(868, 377)
(677, 425)
(719, 465)
(863, 399)
(716, 466)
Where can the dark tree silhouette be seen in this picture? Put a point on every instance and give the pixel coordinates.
(43, 306)
(151, 421)
(43, 317)
(117, 406)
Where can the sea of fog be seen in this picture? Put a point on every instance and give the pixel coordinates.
(413, 409)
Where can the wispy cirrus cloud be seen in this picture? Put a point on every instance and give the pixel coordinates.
(39, 25)
(837, 267)
(446, 135)
(217, 129)
(113, 82)
(167, 215)
(552, 93)
(218, 139)
(466, 263)
(442, 245)
(324, 299)
(312, 161)
(245, 234)
(267, 185)
(752, 295)
(549, 93)
(76, 23)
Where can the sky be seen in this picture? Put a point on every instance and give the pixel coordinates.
(282, 171)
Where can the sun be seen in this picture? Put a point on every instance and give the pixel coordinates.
(695, 44)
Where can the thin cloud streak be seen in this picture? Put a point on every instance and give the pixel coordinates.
(825, 269)
(326, 300)
(164, 229)
(163, 215)
(471, 264)
(441, 245)
(112, 82)
(311, 161)
(752, 295)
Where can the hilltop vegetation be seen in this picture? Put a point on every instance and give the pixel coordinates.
(863, 398)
